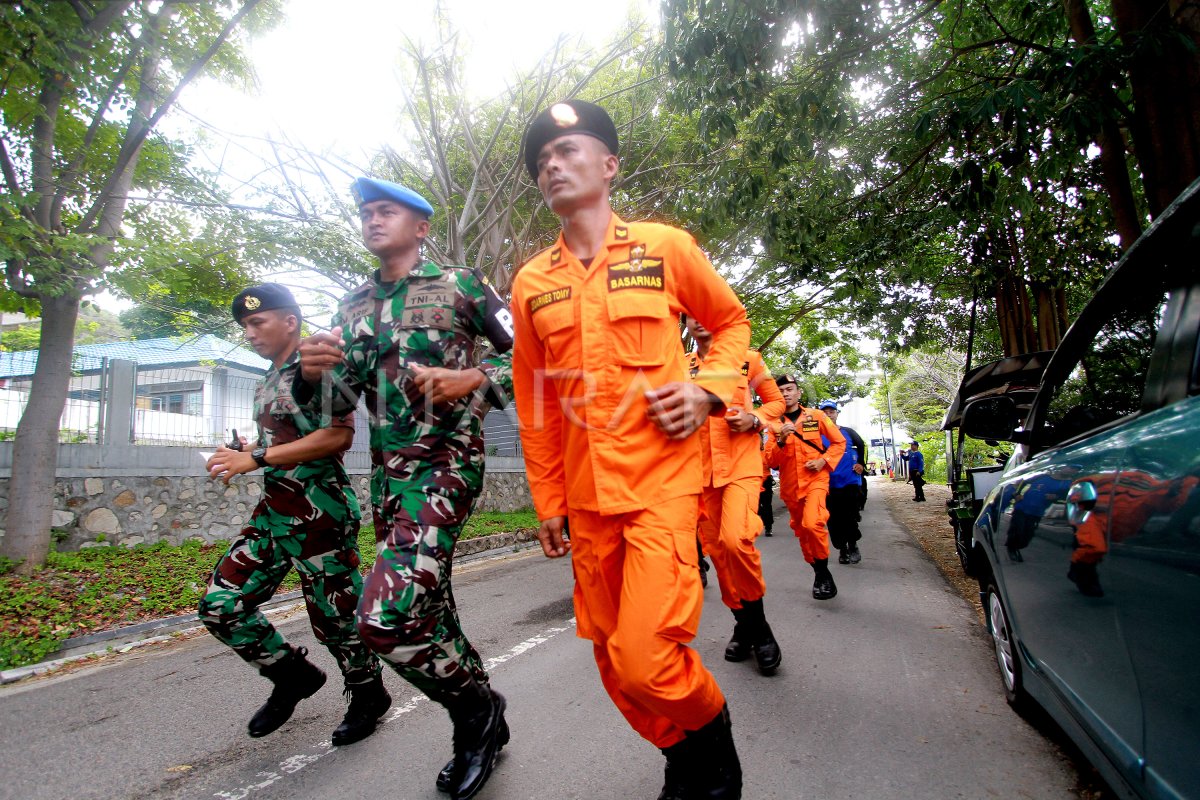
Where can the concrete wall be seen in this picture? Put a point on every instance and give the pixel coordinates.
(126, 495)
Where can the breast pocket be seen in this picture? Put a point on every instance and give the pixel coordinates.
(555, 326)
(642, 328)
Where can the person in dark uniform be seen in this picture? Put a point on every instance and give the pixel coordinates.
(916, 471)
(765, 497)
(308, 519)
(845, 491)
(407, 340)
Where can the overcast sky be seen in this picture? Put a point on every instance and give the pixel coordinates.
(327, 77)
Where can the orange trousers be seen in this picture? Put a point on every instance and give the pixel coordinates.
(808, 518)
(728, 533)
(638, 598)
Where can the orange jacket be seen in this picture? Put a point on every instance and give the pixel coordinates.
(590, 341)
(795, 480)
(727, 454)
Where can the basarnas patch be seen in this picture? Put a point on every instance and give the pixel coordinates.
(642, 273)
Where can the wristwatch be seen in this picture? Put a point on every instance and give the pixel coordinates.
(757, 423)
(259, 454)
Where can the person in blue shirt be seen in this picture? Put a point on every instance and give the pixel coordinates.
(844, 501)
(916, 471)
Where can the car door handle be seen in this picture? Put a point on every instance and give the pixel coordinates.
(1081, 499)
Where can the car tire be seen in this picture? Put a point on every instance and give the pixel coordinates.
(1004, 643)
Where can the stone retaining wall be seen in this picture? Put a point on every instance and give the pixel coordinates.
(127, 510)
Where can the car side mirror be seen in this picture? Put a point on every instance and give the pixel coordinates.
(992, 418)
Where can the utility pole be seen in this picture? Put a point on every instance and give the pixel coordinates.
(888, 395)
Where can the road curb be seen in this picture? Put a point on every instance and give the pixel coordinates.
(122, 640)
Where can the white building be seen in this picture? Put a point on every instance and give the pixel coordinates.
(189, 390)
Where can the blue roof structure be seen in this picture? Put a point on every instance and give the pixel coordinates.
(177, 351)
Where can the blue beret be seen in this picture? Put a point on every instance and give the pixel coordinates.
(264, 297)
(368, 190)
(560, 119)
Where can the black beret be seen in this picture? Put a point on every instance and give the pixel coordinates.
(264, 297)
(780, 380)
(560, 119)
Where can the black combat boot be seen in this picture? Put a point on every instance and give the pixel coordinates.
(1087, 578)
(738, 648)
(843, 555)
(823, 586)
(368, 702)
(676, 772)
(762, 640)
(855, 556)
(478, 719)
(443, 777)
(704, 766)
(295, 678)
(714, 772)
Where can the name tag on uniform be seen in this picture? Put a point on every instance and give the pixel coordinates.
(357, 308)
(429, 305)
(538, 302)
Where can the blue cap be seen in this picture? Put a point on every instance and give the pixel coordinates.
(824, 404)
(368, 190)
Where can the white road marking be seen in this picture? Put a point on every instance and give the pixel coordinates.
(293, 764)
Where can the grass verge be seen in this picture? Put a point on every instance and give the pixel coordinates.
(106, 587)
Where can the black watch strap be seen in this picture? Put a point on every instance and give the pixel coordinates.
(259, 454)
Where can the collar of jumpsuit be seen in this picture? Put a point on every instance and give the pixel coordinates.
(619, 234)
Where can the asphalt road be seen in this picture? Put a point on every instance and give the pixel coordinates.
(887, 691)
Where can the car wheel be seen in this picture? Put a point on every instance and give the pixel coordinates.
(962, 544)
(1008, 660)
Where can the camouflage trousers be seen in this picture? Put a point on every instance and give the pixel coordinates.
(407, 614)
(252, 569)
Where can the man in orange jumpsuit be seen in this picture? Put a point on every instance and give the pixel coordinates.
(732, 465)
(608, 418)
(1124, 505)
(806, 449)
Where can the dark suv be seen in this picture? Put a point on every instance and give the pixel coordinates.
(1087, 550)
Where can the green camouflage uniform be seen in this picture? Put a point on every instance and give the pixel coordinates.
(428, 461)
(308, 518)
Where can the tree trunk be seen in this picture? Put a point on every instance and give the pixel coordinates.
(1006, 318)
(1164, 75)
(35, 450)
(1049, 334)
(1108, 137)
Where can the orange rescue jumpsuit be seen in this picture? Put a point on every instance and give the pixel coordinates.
(589, 342)
(732, 483)
(803, 490)
(1128, 502)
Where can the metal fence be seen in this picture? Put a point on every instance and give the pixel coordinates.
(119, 402)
